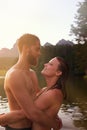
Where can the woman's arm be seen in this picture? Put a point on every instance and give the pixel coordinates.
(11, 117)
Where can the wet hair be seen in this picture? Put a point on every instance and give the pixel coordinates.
(61, 82)
(26, 39)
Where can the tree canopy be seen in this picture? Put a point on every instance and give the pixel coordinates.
(79, 28)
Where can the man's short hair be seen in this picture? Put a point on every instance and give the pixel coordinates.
(26, 39)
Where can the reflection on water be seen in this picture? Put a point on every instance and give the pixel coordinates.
(3, 105)
(77, 113)
(73, 111)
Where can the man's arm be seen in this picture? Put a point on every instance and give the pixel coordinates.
(21, 94)
(11, 117)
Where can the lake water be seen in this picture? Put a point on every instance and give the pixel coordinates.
(73, 112)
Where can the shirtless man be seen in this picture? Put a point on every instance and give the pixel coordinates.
(21, 85)
(48, 99)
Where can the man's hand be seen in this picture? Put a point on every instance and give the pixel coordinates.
(1, 120)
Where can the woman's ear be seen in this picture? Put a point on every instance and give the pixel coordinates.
(58, 73)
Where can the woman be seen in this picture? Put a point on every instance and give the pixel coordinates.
(50, 98)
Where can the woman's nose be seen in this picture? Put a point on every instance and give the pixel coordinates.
(45, 64)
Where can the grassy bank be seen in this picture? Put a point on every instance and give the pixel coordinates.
(3, 72)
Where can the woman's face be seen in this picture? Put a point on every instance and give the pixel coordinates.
(51, 68)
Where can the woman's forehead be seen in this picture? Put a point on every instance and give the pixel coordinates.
(53, 60)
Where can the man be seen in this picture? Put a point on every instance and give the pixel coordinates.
(21, 85)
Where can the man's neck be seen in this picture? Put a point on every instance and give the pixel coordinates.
(22, 64)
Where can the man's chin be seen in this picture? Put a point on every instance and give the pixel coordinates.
(34, 64)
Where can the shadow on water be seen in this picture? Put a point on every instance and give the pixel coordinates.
(73, 111)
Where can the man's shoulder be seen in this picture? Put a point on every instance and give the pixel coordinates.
(12, 73)
(53, 95)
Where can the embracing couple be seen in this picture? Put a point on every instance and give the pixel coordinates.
(32, 108)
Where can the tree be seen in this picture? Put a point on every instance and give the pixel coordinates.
(79, 28)
(80, 57)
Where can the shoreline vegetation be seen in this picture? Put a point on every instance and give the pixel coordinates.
(74, 54)
(2, 72)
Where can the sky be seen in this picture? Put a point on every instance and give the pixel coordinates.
(50, 20)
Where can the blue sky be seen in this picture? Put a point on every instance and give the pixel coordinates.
(50, 20)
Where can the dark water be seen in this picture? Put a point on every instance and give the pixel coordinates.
(75, 108)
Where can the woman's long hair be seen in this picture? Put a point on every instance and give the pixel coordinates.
(61, 82)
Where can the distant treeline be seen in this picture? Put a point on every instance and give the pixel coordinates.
(7, 62)
(74, 54)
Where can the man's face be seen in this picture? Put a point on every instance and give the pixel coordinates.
(34, 53)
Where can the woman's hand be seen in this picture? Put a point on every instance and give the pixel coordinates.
(59, 122)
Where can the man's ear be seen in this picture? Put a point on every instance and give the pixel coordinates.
(58, 73)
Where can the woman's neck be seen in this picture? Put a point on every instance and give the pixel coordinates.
(51, 81)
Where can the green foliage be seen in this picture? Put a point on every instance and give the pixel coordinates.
(79, 29)
(2, 92)
(2, 72)
(6, 63)
(80, 52)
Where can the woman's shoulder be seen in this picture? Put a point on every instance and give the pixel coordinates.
(55, 94)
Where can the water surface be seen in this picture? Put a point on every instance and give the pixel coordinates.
(73, 112)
